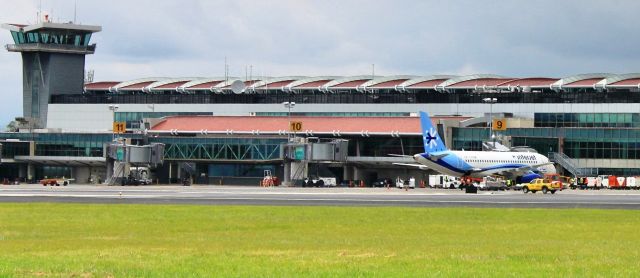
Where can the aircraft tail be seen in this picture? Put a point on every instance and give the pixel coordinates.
(430, 136)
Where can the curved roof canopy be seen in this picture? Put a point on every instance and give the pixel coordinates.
(480, 82)
(620, 81)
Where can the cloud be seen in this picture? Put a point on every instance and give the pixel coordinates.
(304, 37)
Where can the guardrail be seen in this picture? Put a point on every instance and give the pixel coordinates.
(571, 165)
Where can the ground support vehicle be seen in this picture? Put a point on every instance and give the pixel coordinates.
(543, 185)
(382, 182)
(440, 181)
(269, 180)
(452, 184)
(407, 183)
(616, 182)
(55, 182)
(633, 183)
(566, 181)
(492, 183)
(320, 181)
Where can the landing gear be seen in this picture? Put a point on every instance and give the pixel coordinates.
(470, 189)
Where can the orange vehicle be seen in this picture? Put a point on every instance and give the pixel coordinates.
(616, 182)
(54, 182)
(566, 181)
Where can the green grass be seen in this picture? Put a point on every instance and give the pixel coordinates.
(63, 240)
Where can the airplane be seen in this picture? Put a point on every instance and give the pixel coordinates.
(519, 166)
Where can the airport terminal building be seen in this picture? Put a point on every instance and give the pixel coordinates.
(229, 130)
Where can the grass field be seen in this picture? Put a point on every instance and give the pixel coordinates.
(65, 240)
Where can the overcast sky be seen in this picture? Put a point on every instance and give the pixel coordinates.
(338, 37)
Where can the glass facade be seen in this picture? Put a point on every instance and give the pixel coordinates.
(383, 146)
(66, 37)
(220, 148)
(12, 149)
(66, 144)
(612, 120)
(133, 119)
(353, 96)
(592, 143)
(84, 145)
(53, 171)
(239, 170)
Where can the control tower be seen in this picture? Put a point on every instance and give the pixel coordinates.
(52, 63)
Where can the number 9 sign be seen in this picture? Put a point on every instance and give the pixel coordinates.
(499, 124)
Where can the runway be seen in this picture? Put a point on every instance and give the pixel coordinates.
(241, 195)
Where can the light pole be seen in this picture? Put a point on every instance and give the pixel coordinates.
(289, 105)
(491, 101)
(113, 108)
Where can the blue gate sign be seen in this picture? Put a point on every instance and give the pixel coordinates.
(299, 153)
(120, 154)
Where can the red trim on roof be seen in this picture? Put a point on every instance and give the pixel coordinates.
(275, 124)
(313, 84)
(137, 86)
(626, 82)
(389, 84)
(427, 84)
(351, 84)
(277, 84)
(480, 82)
(584, 83)
(249, 82)
(171, 86)
(206, 85)
(530, 82)
(100, 86)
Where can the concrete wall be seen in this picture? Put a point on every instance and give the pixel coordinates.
(81, 174)
(608, 163)
(49, 74)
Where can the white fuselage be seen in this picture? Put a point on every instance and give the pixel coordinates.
(486, 163)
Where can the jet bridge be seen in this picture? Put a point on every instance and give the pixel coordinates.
(299, 152)
(121, 157)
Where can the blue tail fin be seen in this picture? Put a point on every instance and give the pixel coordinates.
(430, 137)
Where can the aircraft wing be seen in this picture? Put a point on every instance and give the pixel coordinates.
(527, 168)
(400, 155)
(419, 166)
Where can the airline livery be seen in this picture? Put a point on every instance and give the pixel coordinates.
(520, 166)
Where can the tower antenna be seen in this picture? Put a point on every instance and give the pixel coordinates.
(39, 12)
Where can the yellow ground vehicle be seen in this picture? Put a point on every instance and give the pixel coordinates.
(544, 185)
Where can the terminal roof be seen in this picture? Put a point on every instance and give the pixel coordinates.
(278, 125)
(361, 83)
(533, 82)
(51, 25)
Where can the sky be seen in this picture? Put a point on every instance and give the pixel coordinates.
(191, 38)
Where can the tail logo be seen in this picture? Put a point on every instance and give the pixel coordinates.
(430, 138)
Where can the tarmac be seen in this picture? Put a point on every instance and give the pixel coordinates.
(296, 196)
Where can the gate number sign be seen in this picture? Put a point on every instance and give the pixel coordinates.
(499, 124)
(295, 126)
(119, 127)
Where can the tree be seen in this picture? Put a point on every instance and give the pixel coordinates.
(12, 127)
